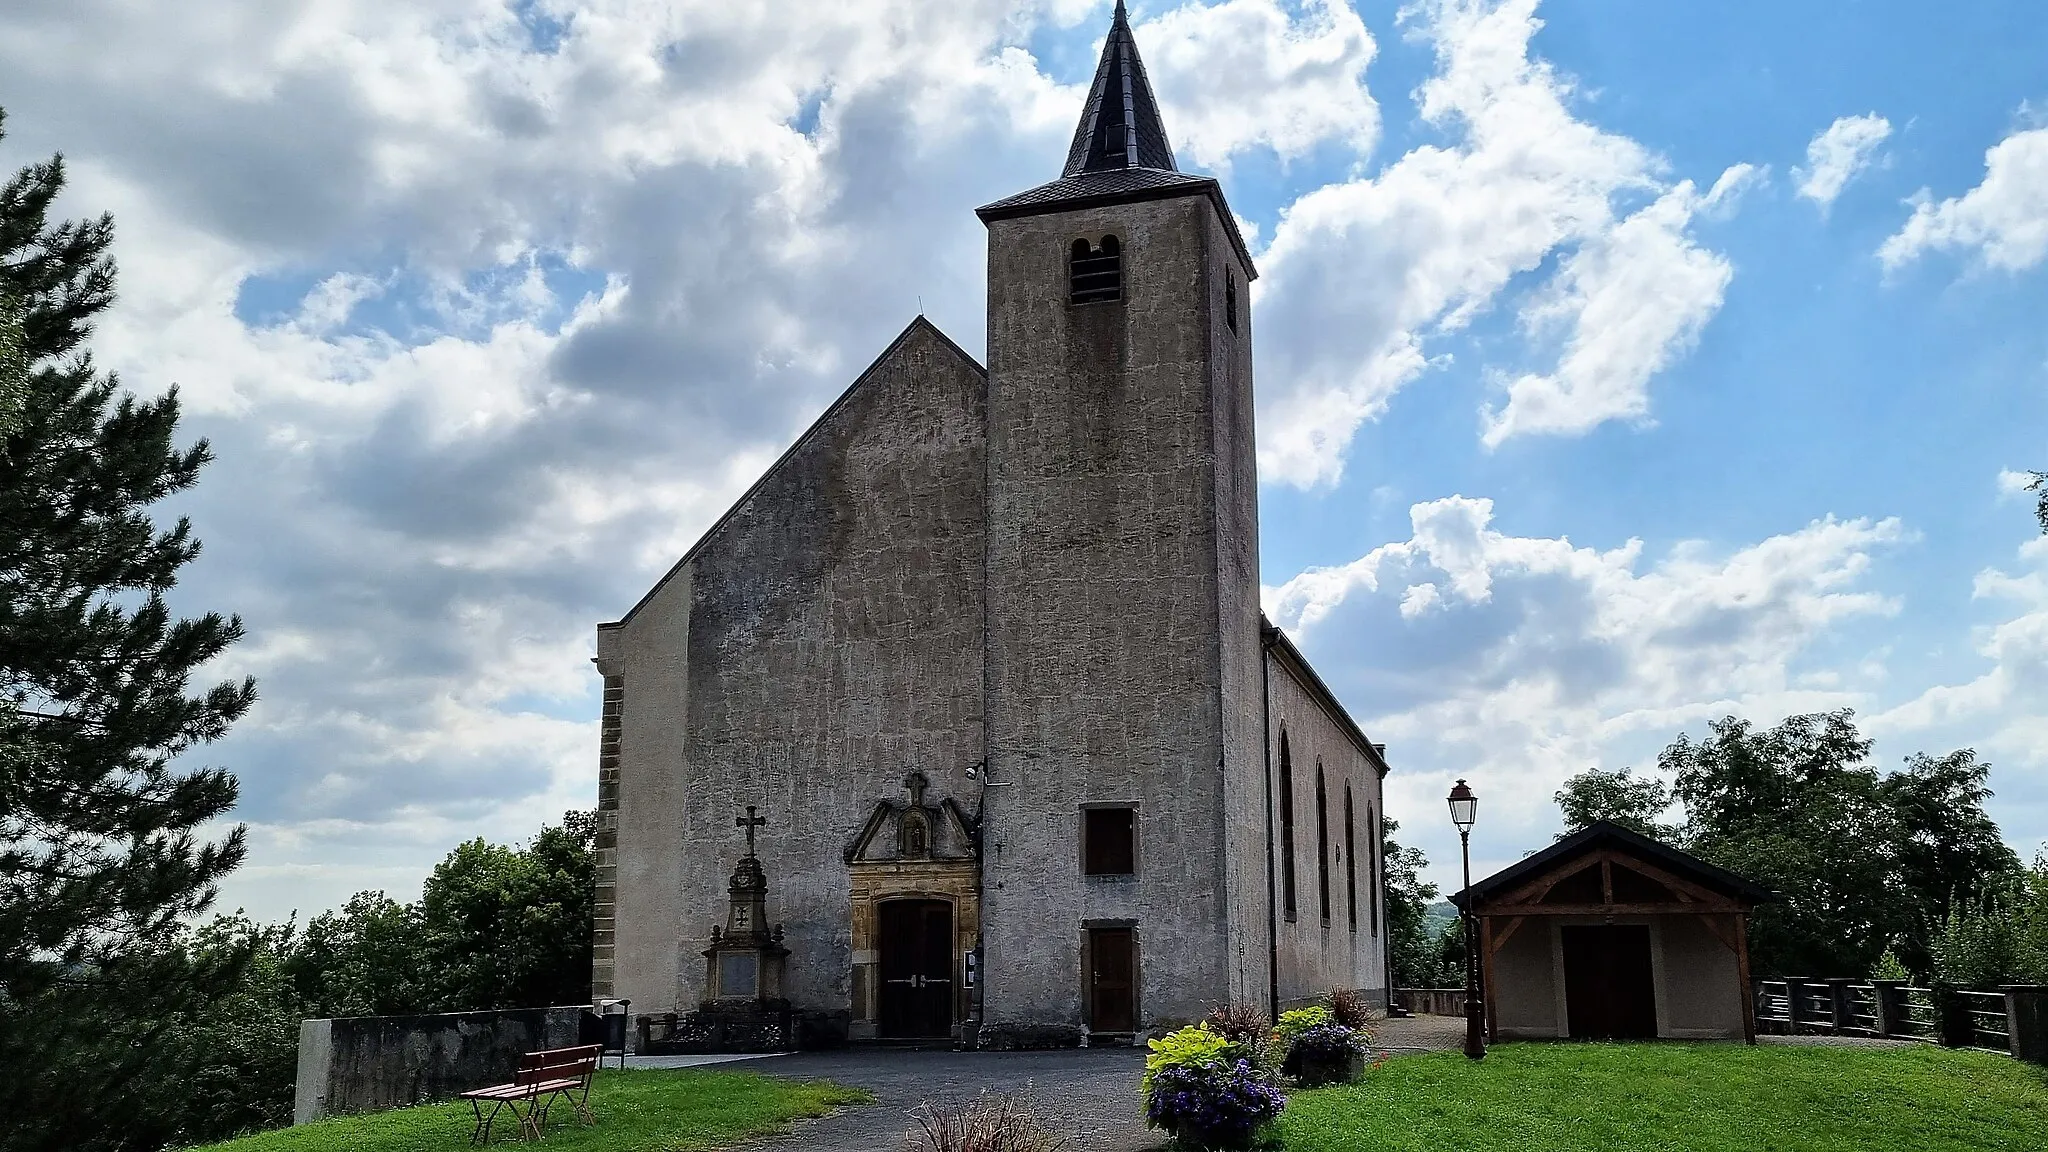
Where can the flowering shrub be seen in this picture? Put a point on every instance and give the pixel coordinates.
(1299, 1020)
(1324, 1054)
(1209, 1106)
(1328, 1042)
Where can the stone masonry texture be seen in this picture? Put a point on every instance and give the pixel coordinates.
(1047, 570)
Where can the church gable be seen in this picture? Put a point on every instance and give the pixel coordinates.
(923, 394)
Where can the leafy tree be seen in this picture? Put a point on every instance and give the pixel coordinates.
(1615, 796)
(242, 1047)
(1949, 848)
(368, 959)
(1797, 808)
(2040, 485)
(510, 927)
(102, 847)
(1411, 945)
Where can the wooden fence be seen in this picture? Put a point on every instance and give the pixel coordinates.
(2012, 1020)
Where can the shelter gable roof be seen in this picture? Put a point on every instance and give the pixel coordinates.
(1607, 834)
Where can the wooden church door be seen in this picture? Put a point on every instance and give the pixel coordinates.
(1112, 1002)
(916, 969)
(1609, 993)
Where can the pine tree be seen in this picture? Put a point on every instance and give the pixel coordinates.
(101, 852)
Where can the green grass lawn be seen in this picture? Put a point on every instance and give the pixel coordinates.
(637, 1110)
(1700, 1098)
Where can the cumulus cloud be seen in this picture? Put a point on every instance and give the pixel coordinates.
(1837, 154)
(488, 308)
(1245, 74)
(2003, 711)
(1522, 660)
(1363, 274)
(1632, 299)
(2003, 220)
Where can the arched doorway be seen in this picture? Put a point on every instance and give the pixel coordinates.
(916, 945)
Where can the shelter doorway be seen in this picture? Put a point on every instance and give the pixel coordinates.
(916, 938)
(1609, 993)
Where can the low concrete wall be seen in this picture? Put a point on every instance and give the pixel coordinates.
(369, 1063)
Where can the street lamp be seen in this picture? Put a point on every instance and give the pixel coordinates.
(1465, 813)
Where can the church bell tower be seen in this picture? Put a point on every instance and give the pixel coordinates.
(1122, 651)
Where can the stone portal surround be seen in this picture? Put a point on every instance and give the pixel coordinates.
(874, 884)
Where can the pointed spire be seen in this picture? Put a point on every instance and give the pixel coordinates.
(1120, 125)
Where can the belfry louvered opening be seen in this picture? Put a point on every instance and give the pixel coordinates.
(1095, 273)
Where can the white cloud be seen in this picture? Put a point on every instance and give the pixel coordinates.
(1837, 154)
(2004, 711)
(1633, 299)
(2013, 483)
(2003, 220)
(1245, 74)
(1362, 275)
(1532, 658)
(488, 309)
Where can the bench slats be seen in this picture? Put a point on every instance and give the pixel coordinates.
(563, 1073)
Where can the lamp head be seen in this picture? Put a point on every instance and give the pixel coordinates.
(1464, 807)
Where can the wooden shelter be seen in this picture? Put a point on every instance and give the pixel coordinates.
(1608, 934)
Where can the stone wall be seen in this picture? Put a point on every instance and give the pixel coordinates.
(370, 1063)
(821, 640)
(1106, 612)
(1316, 953)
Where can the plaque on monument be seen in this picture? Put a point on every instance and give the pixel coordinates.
(739, 975)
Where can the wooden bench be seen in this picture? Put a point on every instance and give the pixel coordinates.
(542, 1078)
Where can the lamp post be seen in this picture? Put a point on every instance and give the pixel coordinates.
(1465, 813)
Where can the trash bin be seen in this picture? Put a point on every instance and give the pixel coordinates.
(606, 1028)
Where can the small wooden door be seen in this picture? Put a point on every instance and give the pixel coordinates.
(1112, 980)
(916, 969)
(1609, 993)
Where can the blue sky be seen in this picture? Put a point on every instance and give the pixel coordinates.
(1621, 366)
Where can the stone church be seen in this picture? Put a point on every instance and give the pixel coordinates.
(984, 651)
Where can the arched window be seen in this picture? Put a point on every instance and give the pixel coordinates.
(1287, 825)
(1230, 300)
(1322, 845)
(1351, 862)
(1095, 273)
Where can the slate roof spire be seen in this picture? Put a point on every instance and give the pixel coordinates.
(1120, 126)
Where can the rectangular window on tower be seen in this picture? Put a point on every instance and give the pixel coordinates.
(1109, 841)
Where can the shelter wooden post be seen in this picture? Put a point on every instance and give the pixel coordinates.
(1742, 967)
(1486, 971)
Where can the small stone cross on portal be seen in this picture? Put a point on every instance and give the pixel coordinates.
(750, 822)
